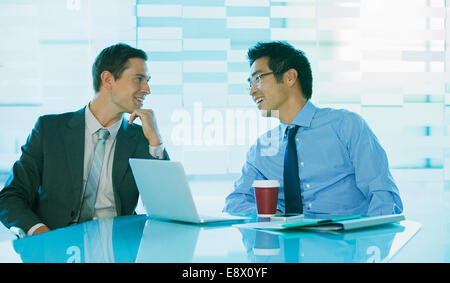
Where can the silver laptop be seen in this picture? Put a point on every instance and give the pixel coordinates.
(165, 192)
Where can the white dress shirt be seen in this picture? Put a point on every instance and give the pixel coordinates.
(105, 205)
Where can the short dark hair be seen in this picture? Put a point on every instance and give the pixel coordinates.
(114, 59)
(282, 57)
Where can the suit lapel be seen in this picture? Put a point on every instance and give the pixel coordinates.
(125, 146)
(74, 144)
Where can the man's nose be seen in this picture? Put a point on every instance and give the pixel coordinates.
(146, 88)
(252, 90)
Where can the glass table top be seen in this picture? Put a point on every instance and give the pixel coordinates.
(141, 239)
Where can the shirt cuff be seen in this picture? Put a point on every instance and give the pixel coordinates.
(157, 151)
(17, 231)
(34, 228)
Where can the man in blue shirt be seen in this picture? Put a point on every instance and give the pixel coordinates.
(342, 168)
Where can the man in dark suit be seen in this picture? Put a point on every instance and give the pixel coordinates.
(74, 166)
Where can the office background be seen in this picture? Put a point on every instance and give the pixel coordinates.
(386, 60)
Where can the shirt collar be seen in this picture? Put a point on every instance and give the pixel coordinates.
(303, 118)
(92, 125)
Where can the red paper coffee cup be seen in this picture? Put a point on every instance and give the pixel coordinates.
(266, 192)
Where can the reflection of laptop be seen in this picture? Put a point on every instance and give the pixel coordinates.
(167, 242)
(165, 192)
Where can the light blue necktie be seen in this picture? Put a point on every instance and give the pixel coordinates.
(90, 194)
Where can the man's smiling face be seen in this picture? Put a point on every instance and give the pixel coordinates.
(267, 93)
(128, 92)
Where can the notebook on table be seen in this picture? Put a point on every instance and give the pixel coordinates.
(326, 224)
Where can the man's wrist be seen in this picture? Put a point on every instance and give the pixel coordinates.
(155, 139)
(34, 228)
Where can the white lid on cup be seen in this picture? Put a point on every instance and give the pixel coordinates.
(266, 184)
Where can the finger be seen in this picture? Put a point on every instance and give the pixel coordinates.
(132, 117)
(148, 111)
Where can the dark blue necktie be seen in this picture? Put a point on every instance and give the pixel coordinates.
(292, 193)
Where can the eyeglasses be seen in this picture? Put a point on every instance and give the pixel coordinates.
(257, 80)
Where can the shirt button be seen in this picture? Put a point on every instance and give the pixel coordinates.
(297, 139)
(309, 205)
(302, 164)
(307, 186)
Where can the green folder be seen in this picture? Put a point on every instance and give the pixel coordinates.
(329, 224)
(295, 223)
(315, 222)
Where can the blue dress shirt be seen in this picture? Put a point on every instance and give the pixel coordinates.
(343, 169)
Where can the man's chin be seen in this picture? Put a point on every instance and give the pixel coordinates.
(132, 109)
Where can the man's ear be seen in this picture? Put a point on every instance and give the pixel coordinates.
(107, 79)
(291, 77)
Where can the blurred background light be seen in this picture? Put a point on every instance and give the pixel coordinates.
(386, 60)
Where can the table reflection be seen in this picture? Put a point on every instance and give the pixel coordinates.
(119, 239)
(368, 245)
(141, 239)
(167, 242)
(104, 240)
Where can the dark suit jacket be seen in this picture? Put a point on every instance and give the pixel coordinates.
(45, 185)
